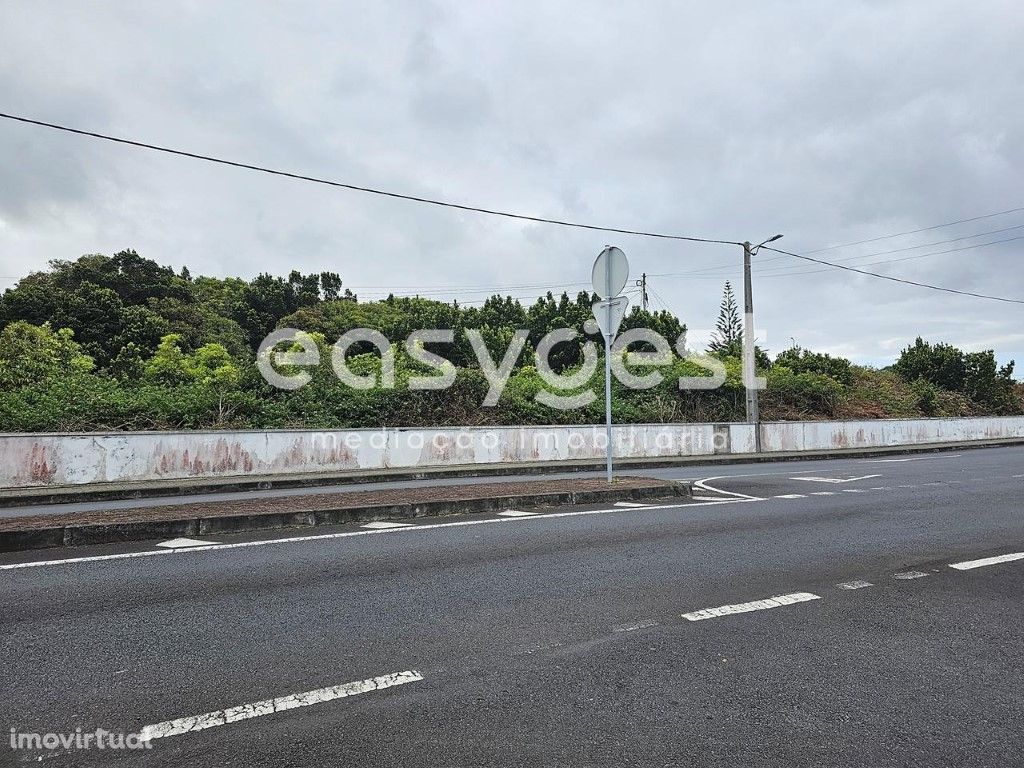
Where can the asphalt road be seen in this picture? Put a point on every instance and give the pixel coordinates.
(575, 637)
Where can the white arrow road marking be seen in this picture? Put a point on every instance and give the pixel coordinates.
(754, 605)
(281, 704)
(175, 543)
(967, 565)
(381, 525)
(834, 479)
(516, 513)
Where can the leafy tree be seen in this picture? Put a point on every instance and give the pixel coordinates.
(941, 364)
(31, 354)
(804, 361)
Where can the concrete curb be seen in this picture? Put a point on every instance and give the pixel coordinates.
(14, 497)
(77, 535)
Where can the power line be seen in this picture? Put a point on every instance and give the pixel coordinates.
(902, 258)
(895, 279)
(916, 231)
(358, 188)
(723, 269)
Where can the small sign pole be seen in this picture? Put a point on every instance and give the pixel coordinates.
(611, 270)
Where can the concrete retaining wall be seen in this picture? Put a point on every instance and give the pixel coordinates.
(53, 460)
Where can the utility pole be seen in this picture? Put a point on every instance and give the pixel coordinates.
(749, 372)
(642, 283)
(753, 417)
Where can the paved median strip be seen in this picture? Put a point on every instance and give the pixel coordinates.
(968, 565)
(755, 605)
(194, 723)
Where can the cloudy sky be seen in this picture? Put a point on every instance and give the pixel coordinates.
(829, 122)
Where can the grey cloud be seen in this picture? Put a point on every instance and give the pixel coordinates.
(828, 122)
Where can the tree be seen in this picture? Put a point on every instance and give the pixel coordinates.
(31, 354)
(728, 338)
(804, 361)
(975, 375)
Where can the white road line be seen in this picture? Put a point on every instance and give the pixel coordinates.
(628, 504)
(175, 543)
(382, 525)
(754, 605)
(270, 706)
(834, 479)
(703, 485)
(709, 498)
(516, 513)
(856, 584)
(823, 493)
(967, 565)
(347, 534)
(909, 575)
(792, 496)
(918, 458)
(635, 626)
(853, 490)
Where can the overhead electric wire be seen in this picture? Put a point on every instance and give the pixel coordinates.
(359, 188)
(916, 231)
(893, 261)
(895, 279)
(727, 268)
(525, 217)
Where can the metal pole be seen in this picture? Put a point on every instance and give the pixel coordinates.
(753, 416)
(608, 397)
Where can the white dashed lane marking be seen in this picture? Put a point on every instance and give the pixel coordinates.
(909, 575)
(755, 605)
(823, 493)
(628, 504)
(516, 513)
(384, 525)
(792, 496)
(634, 626)
(968, 565)
(856, 584)
(270, 706)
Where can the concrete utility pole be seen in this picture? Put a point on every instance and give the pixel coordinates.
(753, 417)
(642, 284)
(749, 371)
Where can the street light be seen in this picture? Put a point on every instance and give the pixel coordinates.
(753, 415)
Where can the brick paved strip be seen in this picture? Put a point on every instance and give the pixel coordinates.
(206, 518)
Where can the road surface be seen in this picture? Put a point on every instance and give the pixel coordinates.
(793, 614)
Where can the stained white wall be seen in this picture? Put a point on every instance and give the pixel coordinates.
(41, 460)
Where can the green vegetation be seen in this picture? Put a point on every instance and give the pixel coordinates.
(122, 343)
